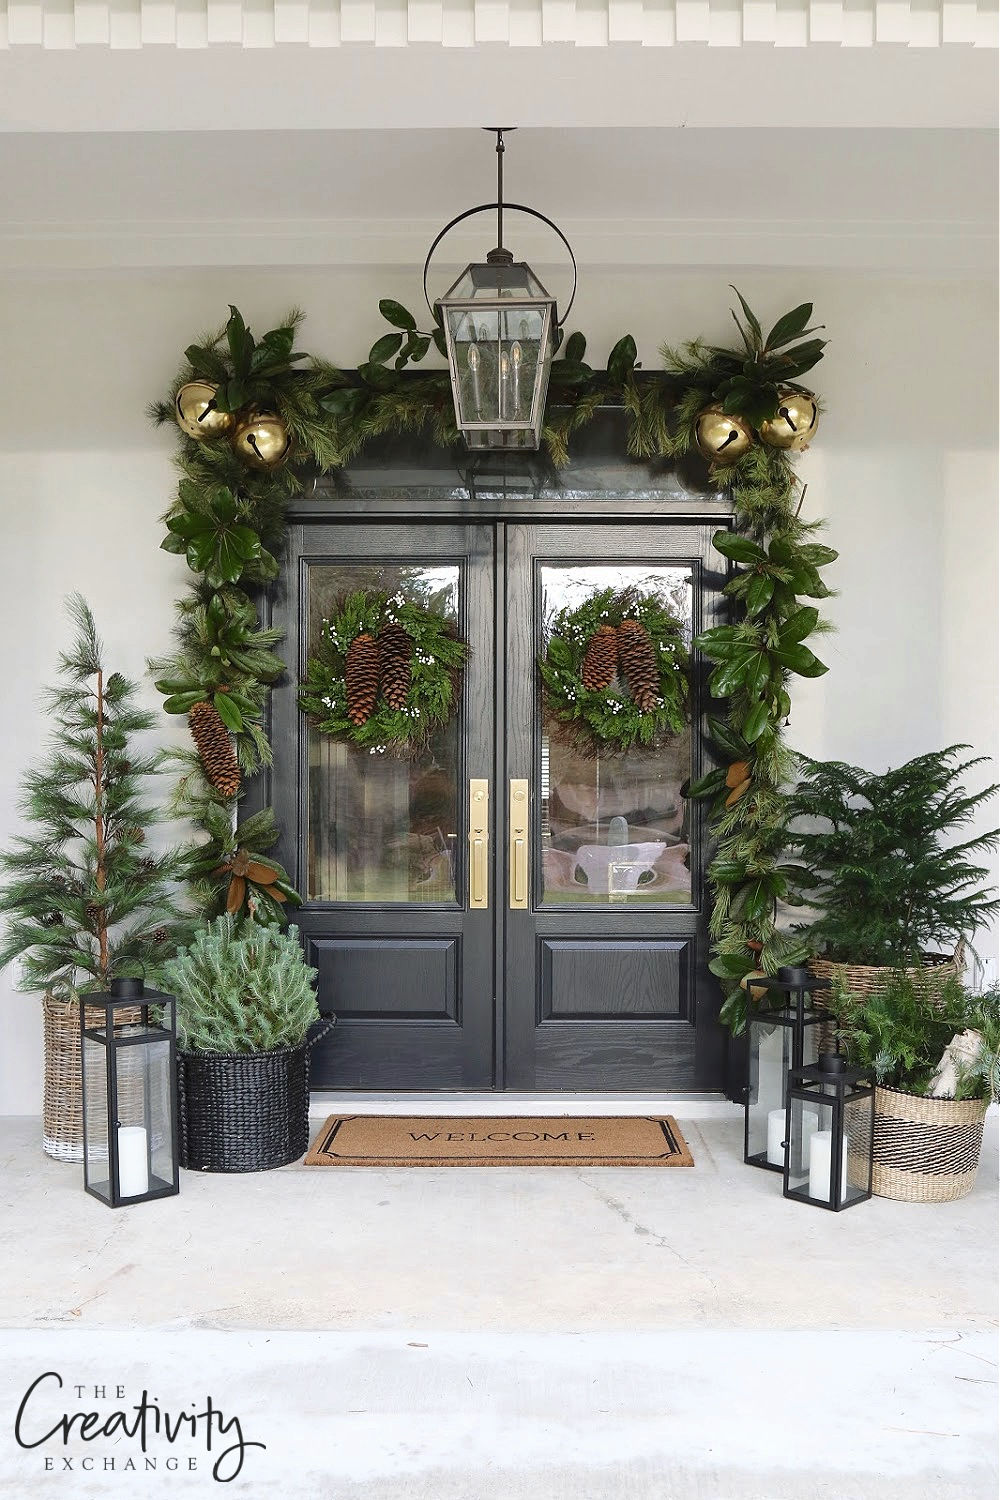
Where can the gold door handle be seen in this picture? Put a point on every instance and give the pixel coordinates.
(518, 835)
(479, 843)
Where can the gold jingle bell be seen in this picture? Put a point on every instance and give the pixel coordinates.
(262, 440)
(197, 413)
(722, 439)
(795, 424)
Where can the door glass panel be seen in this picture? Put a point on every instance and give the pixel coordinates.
(613, 829)
(383, 828)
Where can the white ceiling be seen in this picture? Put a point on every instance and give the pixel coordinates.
(909, 199)
(290, 87)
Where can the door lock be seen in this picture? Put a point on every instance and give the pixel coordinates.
(518, 835)
(479, 843)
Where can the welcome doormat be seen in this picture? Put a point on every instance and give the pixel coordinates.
(507, 1141)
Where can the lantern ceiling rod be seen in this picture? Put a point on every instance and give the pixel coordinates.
(498, 131)
(498, 208)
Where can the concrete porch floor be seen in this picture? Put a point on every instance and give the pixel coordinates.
(519, 1334)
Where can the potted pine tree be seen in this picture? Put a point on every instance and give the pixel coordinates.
(245, 1005)
(882, 859)
(86, 898)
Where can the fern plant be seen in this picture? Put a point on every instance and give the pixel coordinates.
(900, 1033)
(242, 988)
(877, 858)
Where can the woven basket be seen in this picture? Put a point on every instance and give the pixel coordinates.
(243, 1111)
(926, 1150)
(62, 1098)
(864, 979)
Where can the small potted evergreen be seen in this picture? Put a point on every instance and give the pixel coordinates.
(933, 1050)
(86, 896)
(245, 1006)
(881, 857)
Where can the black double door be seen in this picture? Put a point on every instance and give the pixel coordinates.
(501, 911)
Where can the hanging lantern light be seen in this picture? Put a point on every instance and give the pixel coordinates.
(500, 327)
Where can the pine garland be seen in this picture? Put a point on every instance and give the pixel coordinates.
(228, 521)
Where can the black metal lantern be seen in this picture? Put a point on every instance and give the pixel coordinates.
(500, 326)
(778, 1040)
(129, 1094)
(830, 1129)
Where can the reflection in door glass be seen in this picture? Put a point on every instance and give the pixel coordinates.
(381, 828)
(614, 828)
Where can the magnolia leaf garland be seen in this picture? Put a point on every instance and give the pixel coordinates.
(228, 522)
(615, 672)
(387, 674)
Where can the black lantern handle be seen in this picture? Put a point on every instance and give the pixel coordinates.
(491, 208)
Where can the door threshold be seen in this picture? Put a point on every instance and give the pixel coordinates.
(483, 1103)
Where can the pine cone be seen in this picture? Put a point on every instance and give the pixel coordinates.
(52, 919)
(600, 662)
(639, 667)
(215, 748)
(159, 935)
(94, 910)
(396, 648)
(361, 675)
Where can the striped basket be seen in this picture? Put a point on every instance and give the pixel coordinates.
(926, 1150)
(62, 1096)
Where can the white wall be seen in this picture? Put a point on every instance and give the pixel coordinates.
(904, 469)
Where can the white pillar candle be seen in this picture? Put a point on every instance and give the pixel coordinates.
(133, 1161)
(820, 1167)
(775, 1137)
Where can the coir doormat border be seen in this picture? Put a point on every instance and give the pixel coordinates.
(342, 1141)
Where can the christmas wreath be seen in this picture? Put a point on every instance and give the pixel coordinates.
(615, 671)
(387, 674)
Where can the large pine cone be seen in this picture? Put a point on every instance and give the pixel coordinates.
(361, 677)
(215, 748)
(638, 660)
(600, 661)
(396, 649)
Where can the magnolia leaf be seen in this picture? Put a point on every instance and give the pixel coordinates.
(799, 625)
(758, 594)
(799, 659)
(791, 325)
(817, 555)
(179, 703)
(576, 347)
(228, 712)
(384, 348)
(737, 548)
(750, 315)
(396, 314)
(756, 721)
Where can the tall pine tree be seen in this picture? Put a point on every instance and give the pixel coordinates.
(86, 899)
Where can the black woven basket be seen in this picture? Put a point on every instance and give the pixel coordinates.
(244, 1111)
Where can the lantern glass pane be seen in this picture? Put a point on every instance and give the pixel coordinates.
(498, 354)
(812, 1124)
(770, 1060)
(495, 282)
(858, 1136)
(97, 1170)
